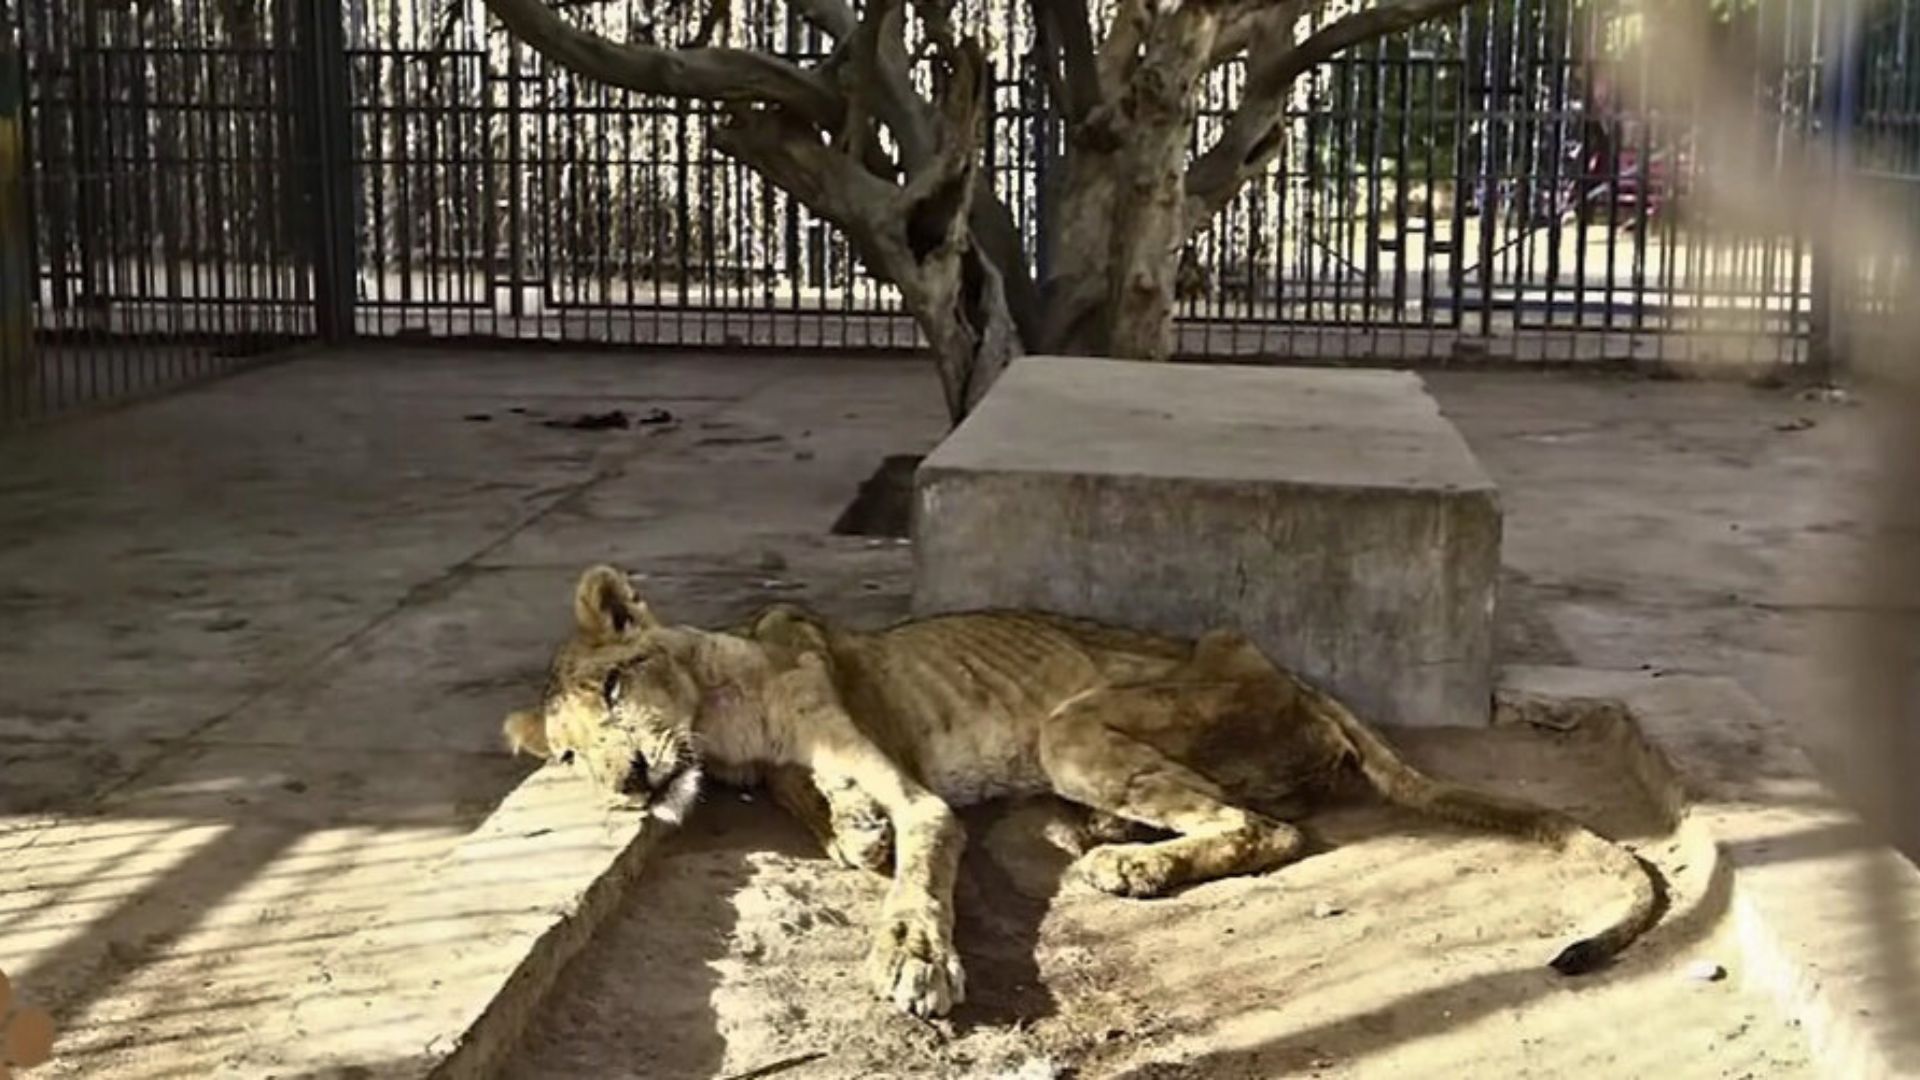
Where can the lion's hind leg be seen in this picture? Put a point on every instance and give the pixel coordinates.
(1094, 753)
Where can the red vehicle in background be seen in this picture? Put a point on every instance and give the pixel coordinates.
(1615, 167)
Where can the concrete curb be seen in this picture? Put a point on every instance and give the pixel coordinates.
(1827, 918)
(444, 981)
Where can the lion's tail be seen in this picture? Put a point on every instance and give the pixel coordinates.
(1403, 785)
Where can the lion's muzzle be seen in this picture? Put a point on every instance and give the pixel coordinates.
(635, 782)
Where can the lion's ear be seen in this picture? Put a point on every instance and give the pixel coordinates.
(527, 733)
(605, 605)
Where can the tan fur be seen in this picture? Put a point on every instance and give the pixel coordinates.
(871, 738)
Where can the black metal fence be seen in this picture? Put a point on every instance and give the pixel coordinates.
(163, 239)
(210, 179)
(1880, 111)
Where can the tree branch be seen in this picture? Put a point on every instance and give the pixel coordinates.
(781, 139)
(787, 150)
(999, 241)
(860, 77)
(729, 75)
(1254, 133)
(1122, 47)
(1265, 29)
(835, 18)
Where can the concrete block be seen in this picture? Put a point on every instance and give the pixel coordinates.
(1335, 517)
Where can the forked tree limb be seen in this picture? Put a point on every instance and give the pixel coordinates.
(738, 76)
(1254, 133)
(1262, 29)
(916, 129)
(917, 235)
(788, 151)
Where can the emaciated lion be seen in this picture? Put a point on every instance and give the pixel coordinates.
(872, 738)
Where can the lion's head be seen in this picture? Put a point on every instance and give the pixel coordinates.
(620, 702)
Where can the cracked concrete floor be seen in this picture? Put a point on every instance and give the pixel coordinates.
(258, 637)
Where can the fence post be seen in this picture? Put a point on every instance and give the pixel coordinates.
(18, 365)
(1840, 76)
(328, 182)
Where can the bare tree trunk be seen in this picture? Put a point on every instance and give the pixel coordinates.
(1149, 223)
(1123, 202)
(1076, 293)
(970, 330)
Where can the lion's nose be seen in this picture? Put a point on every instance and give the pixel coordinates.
(635, 782)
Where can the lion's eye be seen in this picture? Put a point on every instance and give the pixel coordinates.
(610, 689)
(566, 757)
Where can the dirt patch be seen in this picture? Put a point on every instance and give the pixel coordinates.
(1397, 949)
(884, 504)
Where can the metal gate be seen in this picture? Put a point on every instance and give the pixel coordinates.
(161, 196)
(211, 178)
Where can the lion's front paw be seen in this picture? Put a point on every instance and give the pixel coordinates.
(1128, 869)
(913, 964)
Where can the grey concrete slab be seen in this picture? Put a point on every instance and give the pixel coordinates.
(1198, 423)
(1333, 516)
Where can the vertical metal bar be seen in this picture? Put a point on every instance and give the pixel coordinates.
(1033, 102)
(219, 124)
(19, 363)
(1465, 156)
(516, 194)
(1349, 223)
(86, 147)
(1492, 71)
(1558, 44)
(1584, 66)
(328, 148)
(1841, 72)
(1402, 54)
(1311, 180)
(1432, 67)
(1371, 90)
(100, 305)
(683, 226)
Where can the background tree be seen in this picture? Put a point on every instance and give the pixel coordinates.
(882, 138)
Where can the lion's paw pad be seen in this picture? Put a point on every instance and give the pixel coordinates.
(914, 966)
